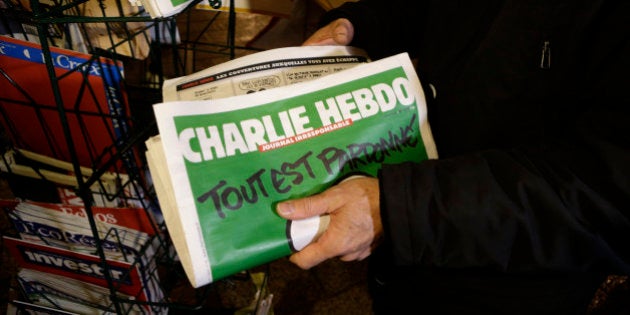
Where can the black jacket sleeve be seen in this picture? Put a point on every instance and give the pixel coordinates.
(534, 167)
(514, 210)
(375, 27)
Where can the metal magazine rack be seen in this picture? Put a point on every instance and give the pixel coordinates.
(79, 132)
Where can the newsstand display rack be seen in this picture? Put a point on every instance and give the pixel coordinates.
(114, 155)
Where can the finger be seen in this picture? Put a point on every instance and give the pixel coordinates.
(307, 207)
(303, 208)
(310, 256)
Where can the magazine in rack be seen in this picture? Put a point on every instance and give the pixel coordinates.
(220, 165)
(124, 232)
(93, 95)
(42, 265)
(57, 248)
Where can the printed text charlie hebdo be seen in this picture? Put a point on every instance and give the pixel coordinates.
(267, 132)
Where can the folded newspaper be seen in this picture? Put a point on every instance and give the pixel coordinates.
(262, 71)
(221, 165)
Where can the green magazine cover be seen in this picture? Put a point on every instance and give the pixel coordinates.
(225, 163)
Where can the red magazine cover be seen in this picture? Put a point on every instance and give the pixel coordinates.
(92, 92)
(88, 268)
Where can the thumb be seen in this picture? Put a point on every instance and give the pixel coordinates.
(343, 32)
(303, 208)
(338, 32)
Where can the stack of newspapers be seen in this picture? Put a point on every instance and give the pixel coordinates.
(238, 137)
(60, 266)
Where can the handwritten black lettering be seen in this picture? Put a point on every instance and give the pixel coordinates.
(357, 154)
(232, 197)
(289, 174)
(330, 155)
(289, 169)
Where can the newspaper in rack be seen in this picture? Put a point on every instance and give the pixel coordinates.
(124, 232)
(68, 294)
(166, 8)
(221, 165)
(128, 278)
(262, 71)
(278, 8)
(163, 8)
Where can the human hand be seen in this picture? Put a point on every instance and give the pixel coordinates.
(337, 32)
(355, 223)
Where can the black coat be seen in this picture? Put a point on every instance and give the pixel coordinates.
(528, 207)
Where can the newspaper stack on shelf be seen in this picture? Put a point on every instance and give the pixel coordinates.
(78, 281)
(56, 240)
(125, 232)
(68, 294)
(225, 156)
